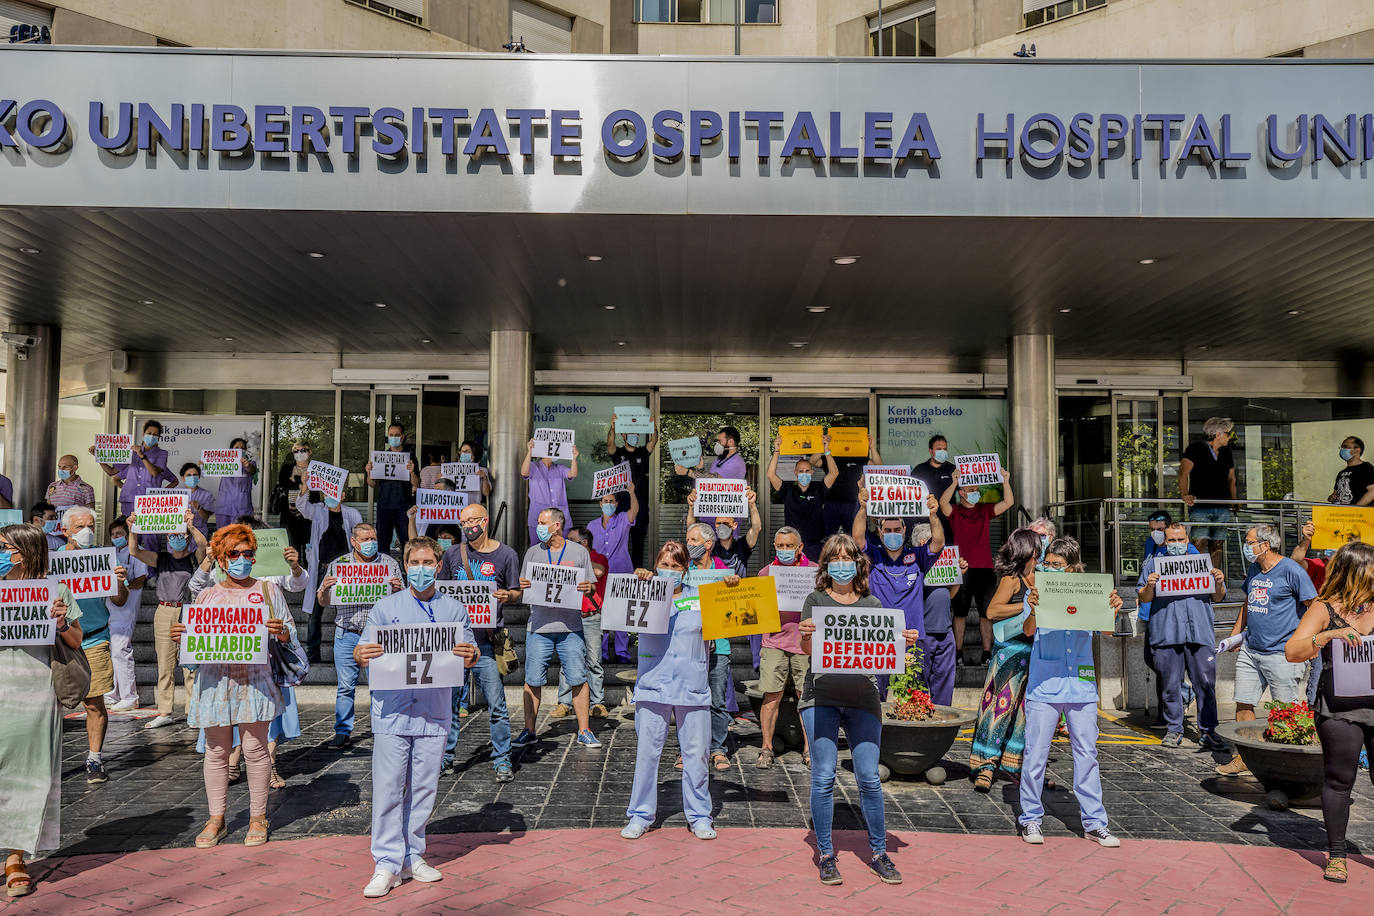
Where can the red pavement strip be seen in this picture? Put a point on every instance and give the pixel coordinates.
(668, 872)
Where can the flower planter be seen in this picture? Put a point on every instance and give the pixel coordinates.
(788, 732)
(1287, 771)
(914, 748)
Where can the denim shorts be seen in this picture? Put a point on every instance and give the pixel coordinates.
(1257, 670)
(572, 657)
(1199, 518)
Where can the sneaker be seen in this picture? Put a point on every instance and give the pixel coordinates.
(1210, 742)
(703, 830)
(830, 870)
(503, 772)
(524, 739)
(425, 874)
(339, 741)
(1103, 837)
(1172, 739)
(882, 867)
(159, 722)
(587, 739)
(381, 884)
(1236, 767)
(633, 830)
(599, 711)
(560, 711)
(95, 771)
(1030, 833)
(125, 706)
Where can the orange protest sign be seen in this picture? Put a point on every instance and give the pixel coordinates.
(748, 608)
(1339, 525)
(849, 441)
(800, 440)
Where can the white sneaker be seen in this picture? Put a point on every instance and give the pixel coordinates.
(1030, 833)
(159, 721)
(633, 830)
(1103, 837)
(703, 830)
(426, 874)
(125, 706)
(381, 884)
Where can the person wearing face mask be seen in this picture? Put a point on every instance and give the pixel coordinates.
(291, 479)
(44, 515)
(548, 486)
(1180, 632)
(780, 658)
(637, 451)
(937, 473)
(1313, 563)
(1355, 482)
(1154, 544)
(1207, 472)
(737, 550)
(1277, 594)
(349, 620)
(470, 454)
(79, 526)
(970, 521)
(174, 564)
(123, 696)
(393, 497)
(480, 556)
(330, 525)
(728, 463)
(672, 684)
(592, 635)
(234, 498)
(803, 500)
(201, 501)
(69, 489)
(610, 536)
(146, 471)
(705, 566)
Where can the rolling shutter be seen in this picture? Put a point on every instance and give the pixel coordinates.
(543, 30)
(14, 14)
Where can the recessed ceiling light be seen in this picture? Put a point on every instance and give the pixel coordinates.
(798, 344)
(620, 343)
(609, 308)
(314, 254)
(817, 309)
(594, 257)
(426, 340)
(1295, 311)
(227, 339)
(29, 251)
(845, 260)
(1204, 347)
(1065, 311)
(380, 305)
(145, 302)
(1146, 261)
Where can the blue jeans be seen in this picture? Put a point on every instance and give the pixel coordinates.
(572, 658)
(718, 676)
(591, 634)
(346, 670)
(1200, 516)
(863, 730)
(488, 681)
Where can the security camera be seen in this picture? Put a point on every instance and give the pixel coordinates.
(20, 340)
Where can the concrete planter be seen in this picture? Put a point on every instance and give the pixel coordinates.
(788, 732)
(1288, 772)
(914, 748)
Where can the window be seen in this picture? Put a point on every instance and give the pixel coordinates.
(412, 11)
(541, 31)
(1039, 12)
(752, 12)
(906, 32)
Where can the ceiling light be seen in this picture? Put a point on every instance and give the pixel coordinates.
(314, 254)
(29, 251)
(380, 305)
(609, 308)
(426, 340)
(1295, 311)
(145, 302)
(818, 309)
(1203, 347)
(845, 260)
(620, 343)
(798, 344)
(593, 257)
(227, 339)
(1065, 311)
(1146, 261)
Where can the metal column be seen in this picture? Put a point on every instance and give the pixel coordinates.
(510, 403)
(31, 413)
(1034, 429)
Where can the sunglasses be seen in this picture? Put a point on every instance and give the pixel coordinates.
(235, 554)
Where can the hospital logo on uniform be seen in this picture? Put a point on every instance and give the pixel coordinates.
(909, 559)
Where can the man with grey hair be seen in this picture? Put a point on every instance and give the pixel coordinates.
(1277, 593)
(1207, 472)
(781, 658)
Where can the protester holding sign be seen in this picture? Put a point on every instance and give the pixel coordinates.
(30, 717)
(729, 546)
(199, 500)
(548, 486)
(1180, 632)
(146, 470)
(830, 701)
(393, 497)
(409, 726)
(1338, 626)
(469, 456)
(174, 564)
(638, 452)
(937, 640)
(1062, 682)
(970, 521)
(331, 523)
(727, 465)
(842, 495)
(228, 694)
(235, 496)
(781, 659)
(290, 490)
(705, 566)
(123, 695)
(803, 500)
(593, 635)
(69, 489)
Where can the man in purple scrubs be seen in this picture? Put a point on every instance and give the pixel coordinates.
(147, 471)
(728, 463)
(548, 486)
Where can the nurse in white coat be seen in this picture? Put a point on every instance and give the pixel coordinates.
(672, 683)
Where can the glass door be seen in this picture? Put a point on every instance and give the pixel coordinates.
(825, 412)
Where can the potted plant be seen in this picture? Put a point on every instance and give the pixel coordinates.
(1281, 751)
(916, 732)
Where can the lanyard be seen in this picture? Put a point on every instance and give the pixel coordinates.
(549, 553)
(425, 607)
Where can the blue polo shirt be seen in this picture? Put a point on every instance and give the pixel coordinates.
(1061, 667)
(425, 711)
(900, 583)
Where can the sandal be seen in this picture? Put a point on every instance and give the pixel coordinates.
(233, 772)
(17, 880)
(275, 781)
(765, 759)
(257, 832)
(720, 762)
(1336, 871)
(209, 838)
(983, 782)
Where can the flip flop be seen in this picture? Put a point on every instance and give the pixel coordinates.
(765, 759)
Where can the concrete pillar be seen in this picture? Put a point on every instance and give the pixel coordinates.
(1034, 415)
(510, 401)
(31, 413)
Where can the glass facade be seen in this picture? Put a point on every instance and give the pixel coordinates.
(1053, 11)
(752, 12)
(904, 34)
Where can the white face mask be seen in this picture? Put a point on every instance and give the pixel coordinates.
(300, 455)
(719, 449)
(84, 538)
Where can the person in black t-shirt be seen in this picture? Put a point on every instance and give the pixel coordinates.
(1355, 482)
(842, 496)
(638, 455)
(937, 474)
(1207, 472)
(394, 497)
(803, 500)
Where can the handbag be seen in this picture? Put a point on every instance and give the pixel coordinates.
(71, 674)
(289, 664)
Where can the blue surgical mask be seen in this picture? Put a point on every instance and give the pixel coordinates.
(445, 543)
(393, 441)
(1345, 454)
(892, 540)
(672, 575)
(787, 556)
(367, 548)
(1044, 545)
(331, 502)
(1176, 550)
(64, 474)
(608, 509)
(176, 542)
(942, 455)
(1248, 552)
(50, 526)
(842, 571)
(465, 457)
(192, 482)
(804, 479)
(542, 533)
(149, 440)
(120, 543)
(420, 577)
(6, 562)
(632, 440)
(973, 498)
(241, 567)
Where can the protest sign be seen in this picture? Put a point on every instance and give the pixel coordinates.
(415, 656)
(748, 608)
(686, 452)
(477, 596)
(849, 441)
(979, 470)
(720, 496)
(225, 635)
(88, 573)
(696, 576)
(326, 479)
(1074, 601)
(26, 612)
(270, 559)
(901, 470)
(360, 583)
(114, 448)
(389, 465)
(554, 586)
(611, 480)
(160, 512)
(800, 440)
(1339, 525)
(464, 475)
(436, 507)
(1352, 668)
(553, 443)
(221, 462)
(1190, 574)
(635, 605)
(859, 641)
(794, 583)
(895, 496)
(634, 420)
(946, 569)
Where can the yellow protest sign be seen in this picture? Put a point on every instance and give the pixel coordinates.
(1339, 525)
(849, 441)
(748, 608)
(800, 440)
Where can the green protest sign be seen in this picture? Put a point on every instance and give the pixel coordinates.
(270, 560)
(1074, 601)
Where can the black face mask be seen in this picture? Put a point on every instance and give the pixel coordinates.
(473, 533)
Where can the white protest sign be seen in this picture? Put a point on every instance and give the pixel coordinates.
(633, 420)
(720, 496)
(946, 569)
(161, 512)
(895, 496)
(114, 448)
(862, 641)
(553, 443)
(611, 480)
(901, 470)
(416, 656)
(88, 573)
(26, 613)
(554, 586)
(464, 475)
(221, 462)
(477, 596)
(635, 605)
(436, 507)
(224, 635)
(979, 470)
(326, 479)
(685, 452)
(1352, 668)
(360, 583)
(389, 465)
(1190, 574)
(794, 584)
